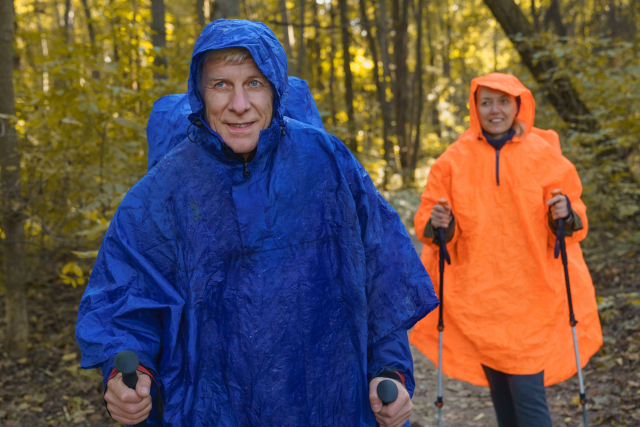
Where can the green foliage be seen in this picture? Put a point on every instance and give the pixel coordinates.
(606, 73)
(83, 98)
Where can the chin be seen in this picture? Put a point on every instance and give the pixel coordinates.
(242, 146)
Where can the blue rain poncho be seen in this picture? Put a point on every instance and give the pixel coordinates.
(257, 299)
(169, 120)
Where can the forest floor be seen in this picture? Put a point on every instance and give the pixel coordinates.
(47, 388)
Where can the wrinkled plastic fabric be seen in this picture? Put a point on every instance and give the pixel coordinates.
(169, 119)
(505, 303)
(255, 300)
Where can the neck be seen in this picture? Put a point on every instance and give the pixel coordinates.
(497, 135)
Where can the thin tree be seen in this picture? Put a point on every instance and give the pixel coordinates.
(200, 13)
(92, 34)
(435, 114)
(224, 9)
(317, 48)
(332, 70)
(400, 12)
(158, 37)
(419, 81)
(380, 86)
(301, 47)
(284, 17)
(352, 143)
(13, 220)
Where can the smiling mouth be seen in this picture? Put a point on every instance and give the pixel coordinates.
(239, 125)
(496, 120)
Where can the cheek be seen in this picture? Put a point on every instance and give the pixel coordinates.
(483, 113)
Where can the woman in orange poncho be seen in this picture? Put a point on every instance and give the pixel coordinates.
(505, 308)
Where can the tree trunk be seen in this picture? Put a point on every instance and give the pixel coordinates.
(87, 14)
(13, 220)
(554, 16)
(435, 114)
(400, 20)
(381, 34)
(224, 9)
(67, 22)
(419, 82)
(332, 70)
(92, 35)
(535, 16)
(351, 141)
(301, 46)
(200, 14)
(284, 17)
(317, 47)
(558, 90)
(158, 38)
(380, 86)
(611, 18)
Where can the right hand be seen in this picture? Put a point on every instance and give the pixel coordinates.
(126, 405)
(440, 216)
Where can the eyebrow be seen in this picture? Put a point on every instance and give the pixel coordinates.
(252, 76)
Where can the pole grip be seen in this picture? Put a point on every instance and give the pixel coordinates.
(387, 391)
(556, 192)
(126, 362)
(442, 202)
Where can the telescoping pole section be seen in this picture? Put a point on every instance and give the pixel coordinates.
(444, 256)
(561, 248)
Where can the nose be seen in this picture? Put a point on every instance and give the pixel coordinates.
(495, 107)
(240, 102)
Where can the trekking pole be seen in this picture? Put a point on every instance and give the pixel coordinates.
(444, 255)
(561, 247)
(387, 391)
(127, 363)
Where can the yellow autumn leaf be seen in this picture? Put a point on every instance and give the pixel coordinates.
(69, 356)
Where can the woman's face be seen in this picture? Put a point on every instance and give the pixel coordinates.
(497, 111)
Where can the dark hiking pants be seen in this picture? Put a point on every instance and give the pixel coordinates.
(519, 400)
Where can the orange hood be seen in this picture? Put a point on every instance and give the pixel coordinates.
(512, 86)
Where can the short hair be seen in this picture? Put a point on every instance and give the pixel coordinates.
(231, 55)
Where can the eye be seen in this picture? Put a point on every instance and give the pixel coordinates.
(220, 84)
(254, 83)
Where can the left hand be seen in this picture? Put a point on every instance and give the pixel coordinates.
(396, 413)
(559, 207)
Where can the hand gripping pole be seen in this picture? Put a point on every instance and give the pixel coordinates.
(127, 363)
(444, 256)
(561, 248)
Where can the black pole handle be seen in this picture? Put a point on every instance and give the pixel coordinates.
(387, 391)
(126, 362)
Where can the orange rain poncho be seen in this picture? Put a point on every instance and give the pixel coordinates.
(505, 301)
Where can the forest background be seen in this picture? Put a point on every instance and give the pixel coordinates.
(391, 78)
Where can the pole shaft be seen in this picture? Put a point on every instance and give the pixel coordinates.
(572, 319)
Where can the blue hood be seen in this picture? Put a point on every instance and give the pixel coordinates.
(265, 50)
(169, 120)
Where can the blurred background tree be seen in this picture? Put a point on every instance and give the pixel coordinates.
(390, 77)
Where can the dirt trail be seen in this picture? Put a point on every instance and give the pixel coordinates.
(612, 377)
(47, 388)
